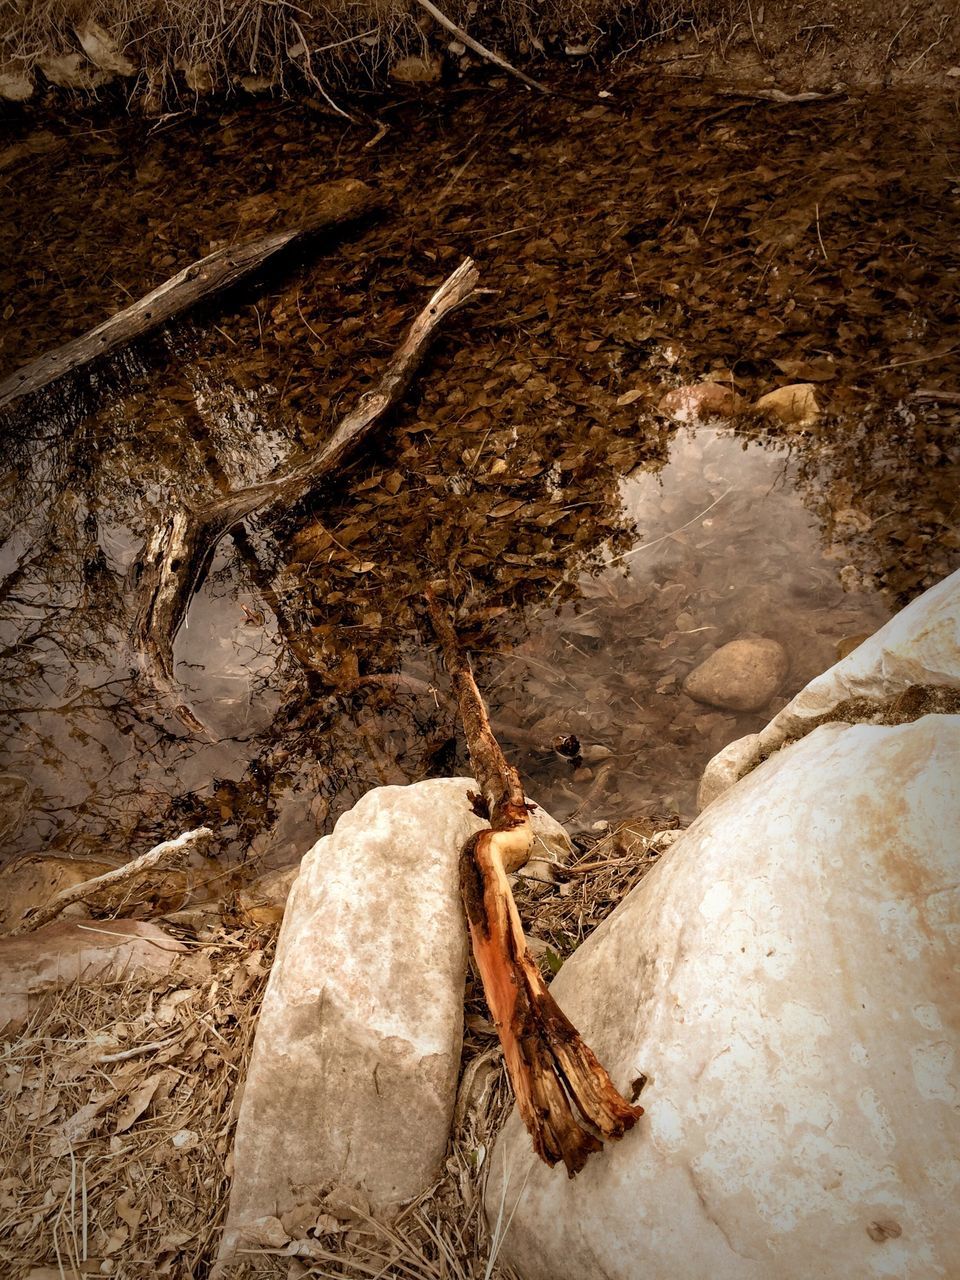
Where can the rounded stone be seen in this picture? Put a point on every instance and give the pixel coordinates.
(701, 401)
(727, 767)
(741, 676)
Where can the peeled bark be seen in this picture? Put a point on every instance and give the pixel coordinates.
(550, 1067)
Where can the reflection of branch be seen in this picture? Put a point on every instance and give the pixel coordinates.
(178, 552)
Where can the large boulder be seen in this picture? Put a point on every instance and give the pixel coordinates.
(786, 980)
(910, 666)
(353, 1075)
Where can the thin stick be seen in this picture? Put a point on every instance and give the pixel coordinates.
(482, 49)
(338, 202)
(819, 236)
(168, 854)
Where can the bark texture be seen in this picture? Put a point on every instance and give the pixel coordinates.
(551, 1069)
(338, 202)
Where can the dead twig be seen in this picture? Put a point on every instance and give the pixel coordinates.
(936, 395)
(168, 854)
(338, 202)
(550, 1067)
(178, 551)
(481, 49)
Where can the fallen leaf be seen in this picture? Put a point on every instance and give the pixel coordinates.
(138, 1102)
(505, 508)
(629, 397)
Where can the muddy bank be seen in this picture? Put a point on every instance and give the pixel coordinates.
(627, 251)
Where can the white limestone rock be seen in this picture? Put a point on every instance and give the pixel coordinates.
(727, 767)
(353, 1076)
(918, 647)
(740, 676)
(786, 979)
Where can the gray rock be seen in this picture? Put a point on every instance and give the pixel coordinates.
(785, 978)
(742, 676)
(353, 1075)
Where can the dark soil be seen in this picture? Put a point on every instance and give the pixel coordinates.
(628, 247)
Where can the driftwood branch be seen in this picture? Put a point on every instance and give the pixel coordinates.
(551, 1069)
(168, 854)
(337, 203)
(179, 550)
(481, 49)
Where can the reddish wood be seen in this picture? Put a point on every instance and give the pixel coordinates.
(551, 1069)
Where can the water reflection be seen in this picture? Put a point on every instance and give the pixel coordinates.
(726, 548)
(722, 546)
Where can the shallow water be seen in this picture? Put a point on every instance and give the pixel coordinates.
(595, 552)
(722, 545)
(725, 548)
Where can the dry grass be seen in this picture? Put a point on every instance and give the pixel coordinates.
(119, 1105)
(118, 1115)
(295, 44)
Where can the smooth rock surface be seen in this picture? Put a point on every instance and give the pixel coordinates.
(795, 405)
(61, 953)
(727, 767)
(741, 676)
(700, 402)
(353, 1075)
(786, 978)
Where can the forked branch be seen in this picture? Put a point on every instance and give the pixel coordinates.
(178, 551)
